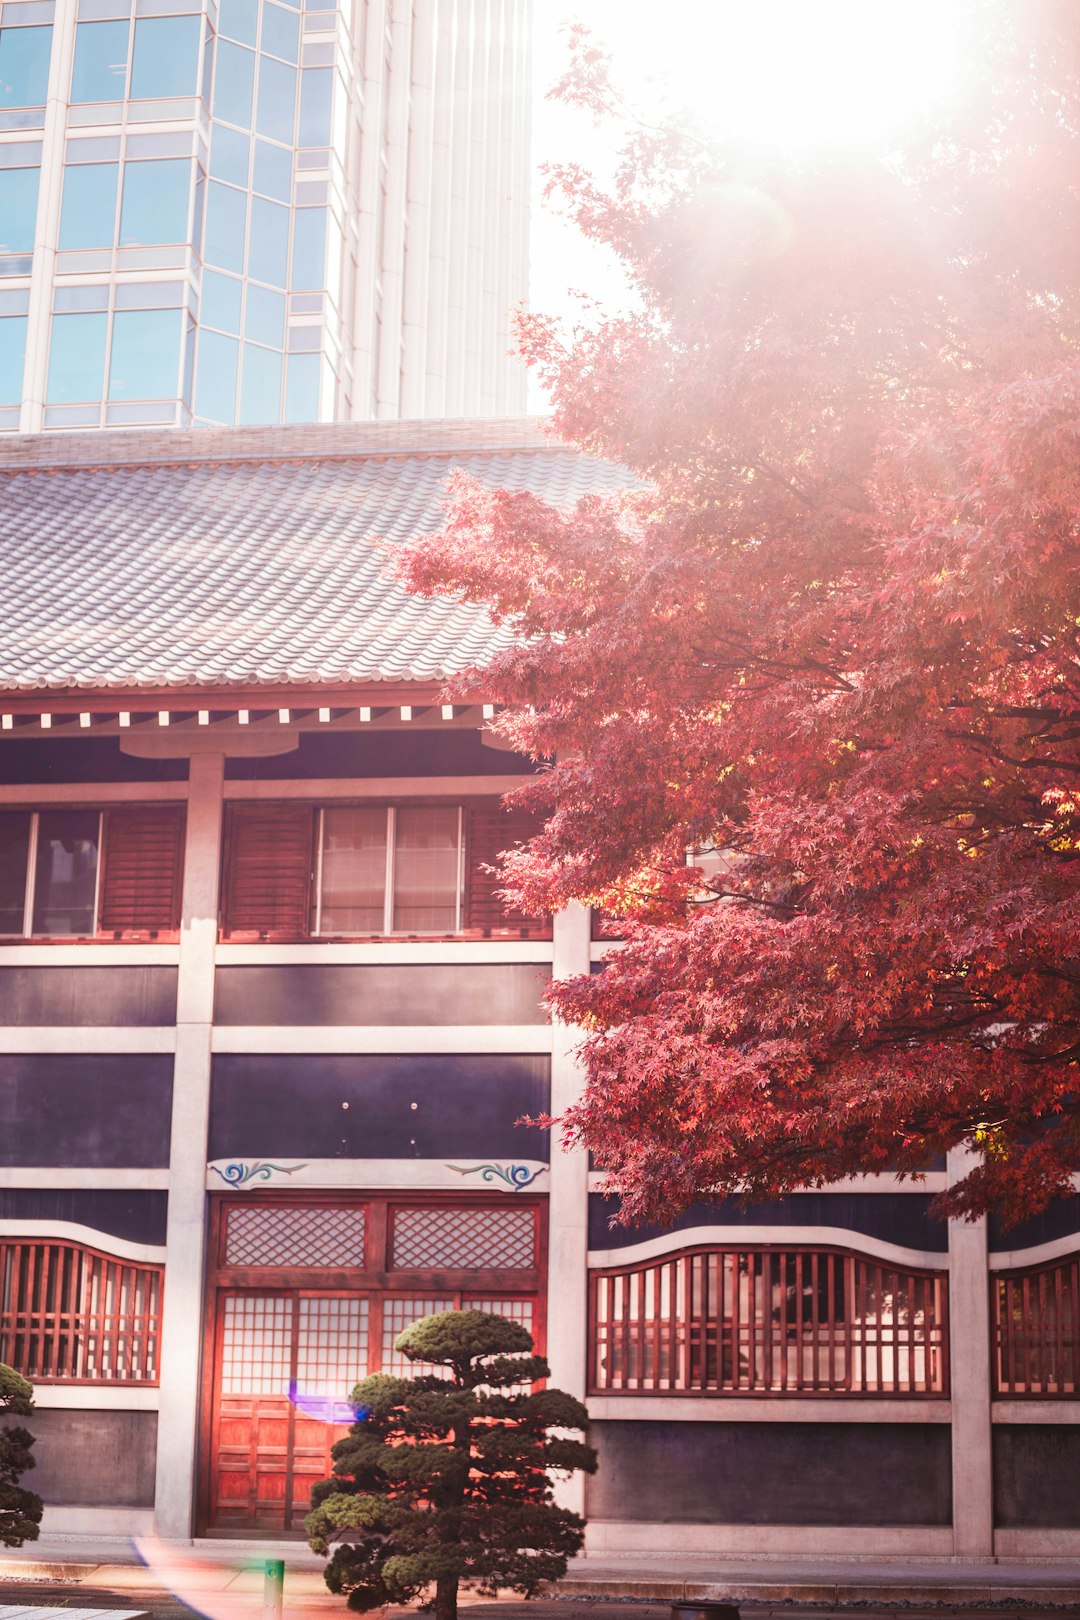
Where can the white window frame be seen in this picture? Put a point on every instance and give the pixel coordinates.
(389, 874)
(30, 879)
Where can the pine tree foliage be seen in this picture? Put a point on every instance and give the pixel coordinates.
(446, 1476)
(20, 1509)
(832, 633)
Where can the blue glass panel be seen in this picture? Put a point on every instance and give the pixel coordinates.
(234, 78)
(220, 302)
(88, 215)
(155, 202)
(316, 94)
(76, 358)
(264, 317)
(100, 70)
(273, 171)
(215, 377)
(260, 389)
(18, 209)
(226, 219)
(12, 356)
(145, 360)
(165, 59)
(309, 248)
(239, 19)
(275, 114)
(268, 250)
(280, 32)
(302, 388)
(24, 66)
(230, 154)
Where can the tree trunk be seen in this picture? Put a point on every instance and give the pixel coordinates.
(446, 1588)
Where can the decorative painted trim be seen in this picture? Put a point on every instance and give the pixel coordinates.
(14, 1226)
(749, 1237)
(237, 1174)
(515, 1176)
(372, 1175)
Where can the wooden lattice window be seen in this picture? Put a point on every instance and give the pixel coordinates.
(464, 1239)
(1036, 1335)
(69, 1314)
(767, 1321)
(295, 1235)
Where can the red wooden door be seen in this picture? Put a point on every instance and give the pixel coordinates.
(285, 1364)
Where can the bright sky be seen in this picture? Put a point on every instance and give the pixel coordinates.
(794, 73)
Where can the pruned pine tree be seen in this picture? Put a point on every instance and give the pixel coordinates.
(20, 1510)
(445, 1477)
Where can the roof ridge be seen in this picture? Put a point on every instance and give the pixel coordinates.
(321, 442)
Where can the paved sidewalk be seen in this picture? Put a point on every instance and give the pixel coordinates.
(224, 1579)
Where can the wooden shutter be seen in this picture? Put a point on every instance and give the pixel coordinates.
(491, 829)
(268, 852)
(140, 888)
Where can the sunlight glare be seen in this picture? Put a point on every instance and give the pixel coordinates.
(797, 74)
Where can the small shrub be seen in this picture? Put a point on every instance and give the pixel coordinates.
(20, 1510)
(445, 1479)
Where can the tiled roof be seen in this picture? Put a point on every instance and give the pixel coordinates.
(244, 556)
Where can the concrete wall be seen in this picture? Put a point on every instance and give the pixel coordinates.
(1037, 1476)
(93, 1459)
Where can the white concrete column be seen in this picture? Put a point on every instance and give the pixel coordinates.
(969, 1354)
(185, 1241)
(568, 1200)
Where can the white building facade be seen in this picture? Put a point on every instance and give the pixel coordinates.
(241, 211)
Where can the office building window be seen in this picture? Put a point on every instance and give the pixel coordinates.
(215, 386)
(275, 115)
(18, 208)
(24, 66)
(239, 19)
(268, 243)
(145, 359)
(88, 213)
(234, 83)
(260, 386)
(12, 358)
(99, 72)
(280, 32)
(165, 57)
(77, 358)
(156, 202)
(226, 226)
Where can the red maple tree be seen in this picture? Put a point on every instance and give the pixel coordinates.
(832, 632)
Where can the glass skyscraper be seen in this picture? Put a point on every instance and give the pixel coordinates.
(218, 211)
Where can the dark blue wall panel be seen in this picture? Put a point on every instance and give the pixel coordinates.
(85, 1109)
(902, 1218)
(772, 1473)
(340, 1106)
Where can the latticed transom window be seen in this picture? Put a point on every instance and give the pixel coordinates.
(69, 1314)
(295, 1235)
(1036, 1329)
(493, 1238)
(768, 1322)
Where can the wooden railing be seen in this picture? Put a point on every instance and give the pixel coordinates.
(69, 1314)
(1036, 1335)
(768, 1321)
